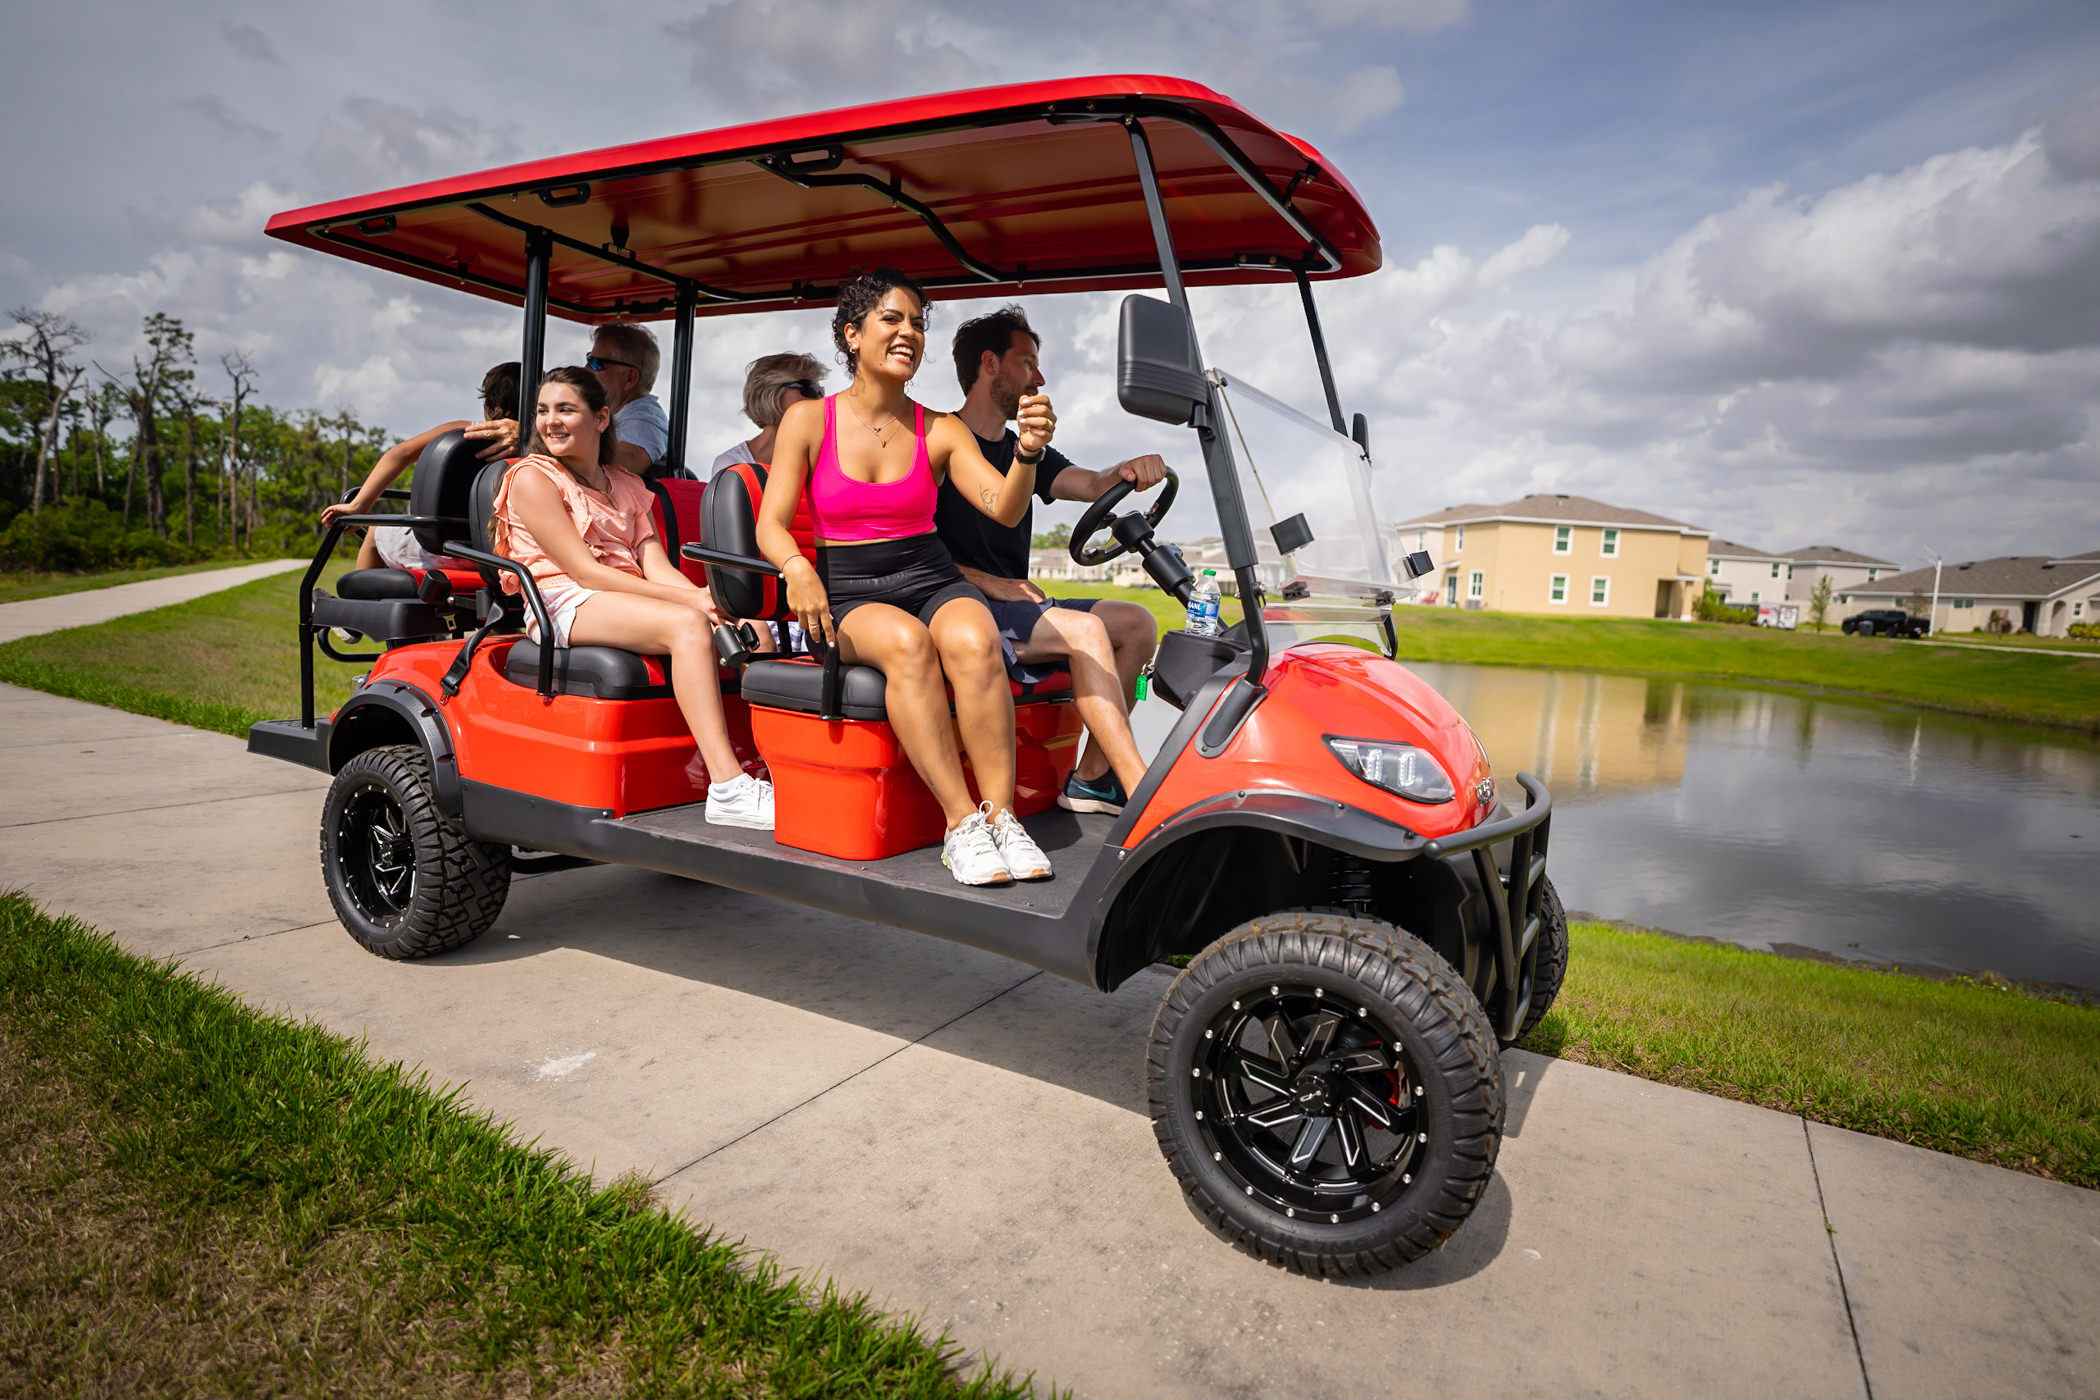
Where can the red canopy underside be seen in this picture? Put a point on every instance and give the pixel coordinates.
(1034, 190)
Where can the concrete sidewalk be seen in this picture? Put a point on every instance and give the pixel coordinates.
(92, 605)
(966, 1139)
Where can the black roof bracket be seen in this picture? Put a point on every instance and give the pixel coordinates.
(892, 190)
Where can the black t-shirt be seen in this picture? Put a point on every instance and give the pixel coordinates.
(977, 540)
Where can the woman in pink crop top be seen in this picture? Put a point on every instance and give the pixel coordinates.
(883, 587)
(581, 526)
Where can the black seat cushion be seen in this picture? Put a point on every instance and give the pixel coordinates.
(383, 619)
(596, 673)
(376, 583)
(799, 686)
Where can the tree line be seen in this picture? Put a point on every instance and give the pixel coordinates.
(158, 461)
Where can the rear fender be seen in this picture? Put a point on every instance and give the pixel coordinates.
(387, 712)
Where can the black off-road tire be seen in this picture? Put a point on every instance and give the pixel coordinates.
(404, 878)
(1447, 1080)
(1552, 962)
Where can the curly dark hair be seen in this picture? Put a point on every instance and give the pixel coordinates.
(861, 296)
(993, 331)
(592, 393)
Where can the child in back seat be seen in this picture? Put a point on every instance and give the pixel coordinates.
(394, 546)
(582, 527)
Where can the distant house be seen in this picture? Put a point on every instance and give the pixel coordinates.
(1846, 570)
(2028, 592)
(1209, 553)
(1561, 554)
(1741, 574)
(1057, 564)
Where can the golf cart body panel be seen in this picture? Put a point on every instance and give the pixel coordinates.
(1259, 843)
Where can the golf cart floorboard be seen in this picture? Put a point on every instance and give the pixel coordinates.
(1072, 840)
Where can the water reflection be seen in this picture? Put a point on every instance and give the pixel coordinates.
(1768, 819)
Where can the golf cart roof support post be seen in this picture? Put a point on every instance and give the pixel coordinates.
(1217, 452)
(681, 373)
(532, 355)
(1312, 323)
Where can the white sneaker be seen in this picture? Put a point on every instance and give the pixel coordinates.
(1024, 859)
(742, 801)
(971, 855)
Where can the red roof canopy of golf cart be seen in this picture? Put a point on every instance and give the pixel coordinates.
(1031, 187)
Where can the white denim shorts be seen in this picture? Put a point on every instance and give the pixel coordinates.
(561, 610)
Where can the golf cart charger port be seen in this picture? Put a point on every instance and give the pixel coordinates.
(1365, 918)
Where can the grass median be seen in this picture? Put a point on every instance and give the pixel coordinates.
(1985, 1072)
(1993, 682)
(198, 1199)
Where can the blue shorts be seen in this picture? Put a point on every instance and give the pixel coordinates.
(1017, 622)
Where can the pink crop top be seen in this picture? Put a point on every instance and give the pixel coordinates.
(848, 511)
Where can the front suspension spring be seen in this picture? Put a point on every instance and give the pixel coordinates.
(1352, 884)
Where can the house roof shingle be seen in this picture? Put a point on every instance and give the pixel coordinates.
(1557, 509)
(2013, 576)
(1831, 554)
(1718, 548)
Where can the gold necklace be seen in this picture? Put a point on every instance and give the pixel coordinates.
(882, 441)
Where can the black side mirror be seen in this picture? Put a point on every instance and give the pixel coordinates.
(1360, 429)
(1157, 375)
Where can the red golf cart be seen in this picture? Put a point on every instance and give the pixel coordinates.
(1320, 838)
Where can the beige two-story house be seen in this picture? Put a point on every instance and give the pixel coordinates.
(1741, 573)
(1553, 553)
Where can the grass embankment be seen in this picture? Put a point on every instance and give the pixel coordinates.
(221, 662)
(1994, 1074)
(19, 587)
(198, 1199)
(1993, 682)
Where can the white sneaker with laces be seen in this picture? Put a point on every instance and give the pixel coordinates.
(742, 801)
(971, 855)
(1024, 859)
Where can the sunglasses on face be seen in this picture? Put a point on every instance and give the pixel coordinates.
(809, 388)
(598, 362)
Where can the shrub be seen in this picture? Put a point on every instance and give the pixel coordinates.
(85, 537)
(2086, 631)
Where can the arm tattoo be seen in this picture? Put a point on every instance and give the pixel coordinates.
(988, 496)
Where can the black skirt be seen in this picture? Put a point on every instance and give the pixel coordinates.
(916, 574)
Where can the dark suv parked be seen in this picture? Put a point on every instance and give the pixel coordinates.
(1886, 622)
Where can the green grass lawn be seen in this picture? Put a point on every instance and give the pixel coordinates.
(1994, 682)
(18, 587)
(221, 662)
(1989, 1073)
(2018, 641)
(198, 1199)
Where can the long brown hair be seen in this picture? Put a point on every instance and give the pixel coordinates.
(593, 393)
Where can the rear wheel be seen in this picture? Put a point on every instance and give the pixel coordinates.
(405, 879)
(1327, 1091)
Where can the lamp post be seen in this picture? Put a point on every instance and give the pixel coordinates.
(1933, 618)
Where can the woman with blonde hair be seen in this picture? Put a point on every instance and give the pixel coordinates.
(771, 383)
(582, 527)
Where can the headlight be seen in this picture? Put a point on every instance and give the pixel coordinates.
(1402, 769)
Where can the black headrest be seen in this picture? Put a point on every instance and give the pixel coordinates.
(443, 483)
(729, 522)
(481, 503)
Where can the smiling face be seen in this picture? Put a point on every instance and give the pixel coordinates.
(1016, 373)
(890, 341)
(568, 426)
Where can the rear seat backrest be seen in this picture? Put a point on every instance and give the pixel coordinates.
(443, 485)
(677, 511)
(730, 524)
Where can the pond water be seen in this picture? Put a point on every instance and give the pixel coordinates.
(1872, 833)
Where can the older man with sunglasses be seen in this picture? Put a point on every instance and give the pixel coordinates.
(625, 358)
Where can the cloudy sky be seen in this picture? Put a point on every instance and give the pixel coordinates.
(1799, 273)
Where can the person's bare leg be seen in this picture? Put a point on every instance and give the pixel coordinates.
(1081, 641)
(968, 641)
(657, 628)
(898, 645)
(368, 553)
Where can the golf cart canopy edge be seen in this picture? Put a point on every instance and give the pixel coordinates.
(988, 192)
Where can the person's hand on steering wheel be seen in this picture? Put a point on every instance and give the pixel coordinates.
(1143, 472)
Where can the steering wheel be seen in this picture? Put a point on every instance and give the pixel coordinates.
(1097, 514)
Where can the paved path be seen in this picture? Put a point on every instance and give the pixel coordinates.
(966, 1139)
(91, 605)
(2089, 653)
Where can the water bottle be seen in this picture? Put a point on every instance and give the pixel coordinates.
(1203, 606)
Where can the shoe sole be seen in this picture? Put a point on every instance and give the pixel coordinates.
(974, 884)
(748, 823)
(1090, 804)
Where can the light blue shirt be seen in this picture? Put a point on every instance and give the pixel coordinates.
(642, 423)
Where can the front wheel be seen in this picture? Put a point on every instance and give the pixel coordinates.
(1548, 960)
(1328, 1092)
(406, 880)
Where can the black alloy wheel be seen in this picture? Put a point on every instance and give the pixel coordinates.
(405, 879)
(1328, 1091)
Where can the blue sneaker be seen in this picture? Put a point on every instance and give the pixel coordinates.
(1104, 795)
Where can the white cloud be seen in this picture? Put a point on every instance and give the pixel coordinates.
(372, 144)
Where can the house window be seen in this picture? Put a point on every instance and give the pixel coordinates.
(1451, 589)
(1872, 574)
(1611, 544)
(2078, 610)
(1713, 567)
(1775, 571)
(1563, 539)
(1964, 603)
(1754, 596)
(1461, 537)
(1476, 586)
(1845, 599)
(1600, 590)
(1558, 593)
(1790, 571)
